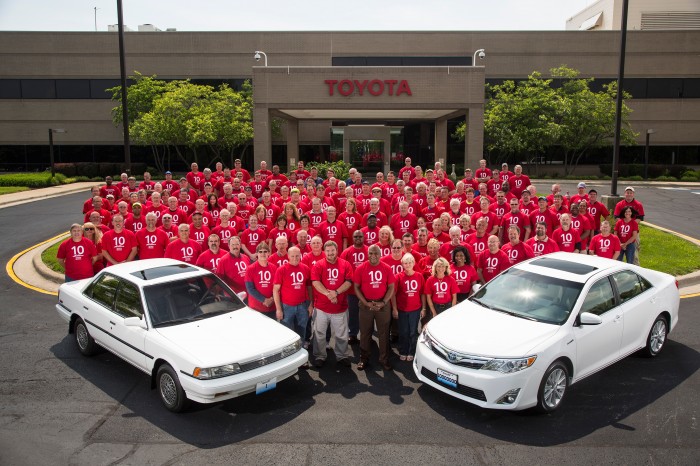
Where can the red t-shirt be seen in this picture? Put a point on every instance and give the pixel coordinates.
(566, 240)
(152, 244)
(408, 291)
(225, 234)
(547, 217)
(278, 260)
(179, 215)
(465, 276)
(518, 219)
(185, 252)
(262, 279)
(479, 244)
(605, 246)
(135, 224)
(293, 280)
(170, 232)
(352, 221)
(332, 276)
(625, 230)
(200, 235)
(335, 231)
(597, 210)
(394, 264)
(232, 270)
(251, 238)
(210, 261)
(400, 225)
(492, 264)
(310, 260)
(541, 248)
(374, 280)
(119, 245)
(78, 257)
(442, 289)
(518, 253)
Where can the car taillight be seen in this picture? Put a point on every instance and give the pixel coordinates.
(676, 284)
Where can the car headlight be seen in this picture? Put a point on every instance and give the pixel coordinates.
(508, 366)
(425, 338)
(291, 349)
(207, 373)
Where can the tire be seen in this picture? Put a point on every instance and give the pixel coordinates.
(86, 344)
(656, 338)
(169, 389)
(553, 388)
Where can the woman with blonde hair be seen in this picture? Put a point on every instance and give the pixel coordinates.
(440, 289)
(292, 215)
(350, 217)
(386, 237)
(408, 306)
(94, 234)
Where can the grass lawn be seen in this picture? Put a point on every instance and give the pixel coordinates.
(12, 189)
(667, 253)
(49, 257)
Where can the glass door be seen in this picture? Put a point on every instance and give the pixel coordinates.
(367, 155)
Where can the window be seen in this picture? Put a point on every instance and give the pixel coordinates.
(104, 290)
(600, 298)
(628, 285)
(129, 301)
(38, 89)
(72, 88)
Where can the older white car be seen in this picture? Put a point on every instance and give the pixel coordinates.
(182, 326)
(542, 325)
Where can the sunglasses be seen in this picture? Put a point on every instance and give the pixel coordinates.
(88, 229)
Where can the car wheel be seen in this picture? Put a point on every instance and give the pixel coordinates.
(171, 393)
(85, 342)
(657, 337)
(553, 387)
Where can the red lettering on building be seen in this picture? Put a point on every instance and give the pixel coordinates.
(375, 87)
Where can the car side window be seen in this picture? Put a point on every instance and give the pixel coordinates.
(600, 298)
(104, 290)
(628, 284)
(128, 302)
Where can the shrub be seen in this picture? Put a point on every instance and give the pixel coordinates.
(340, 169)
(635, 178)
(67, 169)
(32, 180)
(88, 169)
(666, 178)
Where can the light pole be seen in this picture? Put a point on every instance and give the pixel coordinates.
(481, 53)
(125, 107)
(646, 154)
(618, 106)
(257, 56)
(51, 131)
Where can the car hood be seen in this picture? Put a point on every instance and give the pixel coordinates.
(471, 329)
(238, 336)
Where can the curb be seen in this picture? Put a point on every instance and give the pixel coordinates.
(47, 193)
(41, 268)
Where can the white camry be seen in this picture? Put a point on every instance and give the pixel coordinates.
(542, 325)
(182, 326)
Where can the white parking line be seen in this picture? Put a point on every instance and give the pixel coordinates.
(675, 189)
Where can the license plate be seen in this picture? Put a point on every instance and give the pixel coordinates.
(263, 387)
(447, 378)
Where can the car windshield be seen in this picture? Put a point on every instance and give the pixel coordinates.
(189, 299)
(530, 296)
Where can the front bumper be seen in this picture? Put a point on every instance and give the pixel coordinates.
(224, 388)
(483, 388)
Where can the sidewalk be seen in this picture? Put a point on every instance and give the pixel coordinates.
(9, 200)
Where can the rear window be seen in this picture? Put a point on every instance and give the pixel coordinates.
(164, 271)
(564, 266)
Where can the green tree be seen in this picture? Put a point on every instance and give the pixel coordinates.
(529, 117)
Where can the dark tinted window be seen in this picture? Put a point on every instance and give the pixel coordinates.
(164, 271)
(73, 88)
(628, 285)
(104, 290)
(98, 86)
(691, 88)
(129, 301)
(38, 89)
(665, 88)
(600, 298)
(564, 266)
(10, 89)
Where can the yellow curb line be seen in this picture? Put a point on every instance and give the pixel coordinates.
(10, 266)
(694, 295)
(680, 235)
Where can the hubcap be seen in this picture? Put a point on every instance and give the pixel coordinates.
(658, 336)
(82, 336)
(168, 389)
(554, 388)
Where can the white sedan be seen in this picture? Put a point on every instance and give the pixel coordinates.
(542, 325)
(182, 326)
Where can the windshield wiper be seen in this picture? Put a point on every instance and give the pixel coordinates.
(166, 323)
(515, 314)
(481, 303)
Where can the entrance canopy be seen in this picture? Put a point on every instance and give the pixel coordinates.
(362, 94)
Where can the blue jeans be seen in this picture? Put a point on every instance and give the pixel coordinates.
(296, 318)
(408, 332)
(628, 253)
(353, 315)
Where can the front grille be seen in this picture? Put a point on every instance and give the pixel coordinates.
(464, 360)
(251, 365)
(461, 389)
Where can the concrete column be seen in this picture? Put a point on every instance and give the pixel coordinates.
(440, 141)
(474, 137)
(262, 142)
(292, 143)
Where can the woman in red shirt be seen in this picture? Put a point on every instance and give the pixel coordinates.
(627, 230)
(408, 306)
(463, 272)
(441, 289)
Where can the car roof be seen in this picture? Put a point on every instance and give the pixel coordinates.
(571, 266)
(137, 271)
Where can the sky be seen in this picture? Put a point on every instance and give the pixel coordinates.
(303, 15)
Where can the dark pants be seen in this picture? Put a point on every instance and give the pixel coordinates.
(439, 308)
(368, 318)
(353, 315)
(408, 331)
(462, 296)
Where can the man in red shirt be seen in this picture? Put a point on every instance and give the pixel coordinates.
(566, 237)
(105, 216)
(209, 259)
(118, 244)
(195, 177)
(479, 241)
(518, 182)
(264, 172)
(455, 241)
(541, 244)
(630, 201)
(109, 188)
(147, 184)
(232, 267)
(492, 261)
(517, 250)
(237, 167)
(333, 229)
(135, 221)
(374, 287)
(581, 224)
(167, 227)
(183, 248)
(331, 278)
(580, 195)
(77, 255)
(198, 230)
(152, 241)
(517, 218)
(178, 215)
(403, 222)
(596, 210)
(545, 215)
(169, 184)
(407, 168)
(605, 244)
(483, 173)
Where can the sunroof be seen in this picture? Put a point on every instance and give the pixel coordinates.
(564, 266)
(164, 271)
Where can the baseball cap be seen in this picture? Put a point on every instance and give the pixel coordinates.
(629, 188)
(365, 182)
(582, 185)
(542, 198)
(371, 216)
(168, 173)
(295, 190)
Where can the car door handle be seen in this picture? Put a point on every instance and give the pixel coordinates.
(617, 317)
(85, 307)
(113, 323)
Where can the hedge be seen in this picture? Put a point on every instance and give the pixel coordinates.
(94, 169)
(32, 180)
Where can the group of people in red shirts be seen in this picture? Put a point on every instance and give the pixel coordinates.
(351, 253)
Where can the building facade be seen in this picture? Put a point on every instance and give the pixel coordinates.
(365, 97)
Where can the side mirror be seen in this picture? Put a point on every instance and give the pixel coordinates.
(135, 322)
(476, 287)
(586, 318)
(242, 295)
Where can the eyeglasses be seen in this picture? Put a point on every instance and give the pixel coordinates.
(88, 229)
(396, 247)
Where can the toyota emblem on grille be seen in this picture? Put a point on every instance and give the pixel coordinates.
(451, 356)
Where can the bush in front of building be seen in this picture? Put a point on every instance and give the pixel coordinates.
(32, 180)
(98, 170)
(340, 169)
